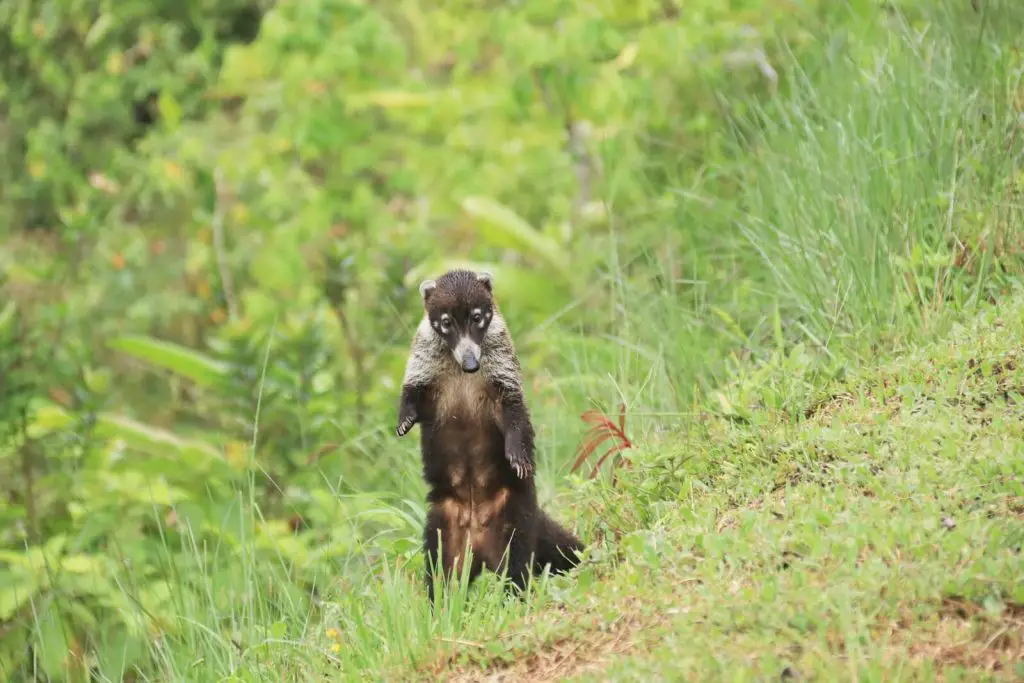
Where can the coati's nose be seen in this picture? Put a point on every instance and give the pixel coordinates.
(469, 361)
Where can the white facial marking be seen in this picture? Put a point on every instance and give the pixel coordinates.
(478, 318)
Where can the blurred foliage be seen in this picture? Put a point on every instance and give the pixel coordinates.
(214, 216)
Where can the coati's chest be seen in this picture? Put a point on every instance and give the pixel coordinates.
(469, 433)
(462, 399)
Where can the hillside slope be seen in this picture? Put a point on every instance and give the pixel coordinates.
(868, 528)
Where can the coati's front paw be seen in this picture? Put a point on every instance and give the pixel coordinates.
(406, 419)
(517, 457)
(404, 426)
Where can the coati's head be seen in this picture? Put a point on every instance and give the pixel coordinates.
(460, 306)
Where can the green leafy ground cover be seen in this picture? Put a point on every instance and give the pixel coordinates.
(755, 225)
(835, 524)
(876, 533)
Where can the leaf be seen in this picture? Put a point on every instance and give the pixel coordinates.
(196, 366)
(52, 643)
(83, 564)
(137, 435)
(387, 100)
(170, 110)
(626, 57)
(100, 28)
(117, 652)
(593, 440)
(38, 560)
(16, 591)
(7, 316)
(278, 630)
(146, 437)
(14, 648)
(505, 228)
(731, 324)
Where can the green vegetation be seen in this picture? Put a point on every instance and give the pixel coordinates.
(875, 536)
(786, 237)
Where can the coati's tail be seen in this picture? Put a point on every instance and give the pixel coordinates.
(555, 546)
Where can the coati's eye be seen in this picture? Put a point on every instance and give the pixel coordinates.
(446, 323)
(477, 318)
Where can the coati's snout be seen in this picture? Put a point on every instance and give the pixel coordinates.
(459, 306)
(467, 355)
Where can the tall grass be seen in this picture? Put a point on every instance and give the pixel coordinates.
(879, 187)
(879, 169)
(874, 190)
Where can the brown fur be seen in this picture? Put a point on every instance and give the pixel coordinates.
(475, 525)
(477, 440)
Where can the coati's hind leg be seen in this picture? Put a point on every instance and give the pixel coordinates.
(503, 537)
(555, 546)
(433, 532)
(516, 542)
(445, 536)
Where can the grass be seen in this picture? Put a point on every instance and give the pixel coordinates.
(879, 537)
(873, 183)
(874, 532)
(828, 481)
(878, 189)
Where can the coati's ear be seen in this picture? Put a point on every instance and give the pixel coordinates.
(426, 287)
(486, 278)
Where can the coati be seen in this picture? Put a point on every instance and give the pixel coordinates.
(462, 386)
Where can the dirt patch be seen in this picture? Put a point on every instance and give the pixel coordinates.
(774, 499)
(1015, 506)
(1001, 386)
(829, 406)
(963, 635)
(565, 657)
(591, 646)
